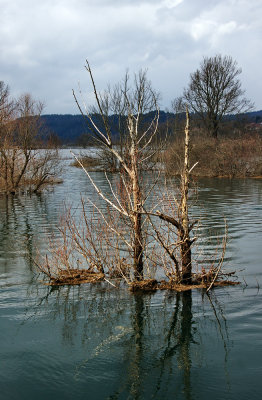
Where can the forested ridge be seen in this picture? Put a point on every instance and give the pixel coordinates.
(72, 129)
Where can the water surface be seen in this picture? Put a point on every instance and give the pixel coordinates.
(95, 342)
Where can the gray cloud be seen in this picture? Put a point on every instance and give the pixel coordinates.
(44, 44)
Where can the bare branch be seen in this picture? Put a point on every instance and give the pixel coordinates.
(98, 190)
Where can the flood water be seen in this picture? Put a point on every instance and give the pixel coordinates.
(98, 342)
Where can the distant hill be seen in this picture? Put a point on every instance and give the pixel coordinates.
(71, 128)
(255, 116)
(66, 127)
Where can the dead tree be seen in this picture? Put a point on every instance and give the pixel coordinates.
(133, 101)
(179, 220)
(185, 231)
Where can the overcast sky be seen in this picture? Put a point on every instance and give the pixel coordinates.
(44, 44)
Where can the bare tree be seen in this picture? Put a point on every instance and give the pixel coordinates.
(178, 107)
(176, 236)
(133, 100)
(25, 136)
(21, 164)
(6, 130)
(101, 240)
(6, 104)
(215, 90)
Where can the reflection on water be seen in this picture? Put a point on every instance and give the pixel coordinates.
(114, 345)
(96, 342)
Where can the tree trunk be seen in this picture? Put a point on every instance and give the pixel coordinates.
(185, 248)
(137, 211)
(215, 128)
(23, 170)
(138, 247)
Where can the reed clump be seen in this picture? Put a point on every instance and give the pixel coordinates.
(88, 162)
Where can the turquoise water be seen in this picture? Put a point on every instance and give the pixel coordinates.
(96, 342)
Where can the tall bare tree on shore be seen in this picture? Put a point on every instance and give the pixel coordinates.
(214, 90)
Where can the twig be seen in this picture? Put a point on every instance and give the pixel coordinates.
(110, 282)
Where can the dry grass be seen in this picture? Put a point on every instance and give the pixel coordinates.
(147, 285)
(151, 285)
(223, 157)
(179, 287)
(87, 161)
(74, 276)
(80, 276)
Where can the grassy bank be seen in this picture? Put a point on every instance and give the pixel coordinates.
(222, 157)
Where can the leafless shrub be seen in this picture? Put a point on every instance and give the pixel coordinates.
(88, 244)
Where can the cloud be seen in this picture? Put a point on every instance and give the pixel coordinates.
(44, 44)
(171, 3)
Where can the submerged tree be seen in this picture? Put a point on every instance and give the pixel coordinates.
(175, 214)
(132, 101)
(21, 130)
(128, 232)
(214, 90)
